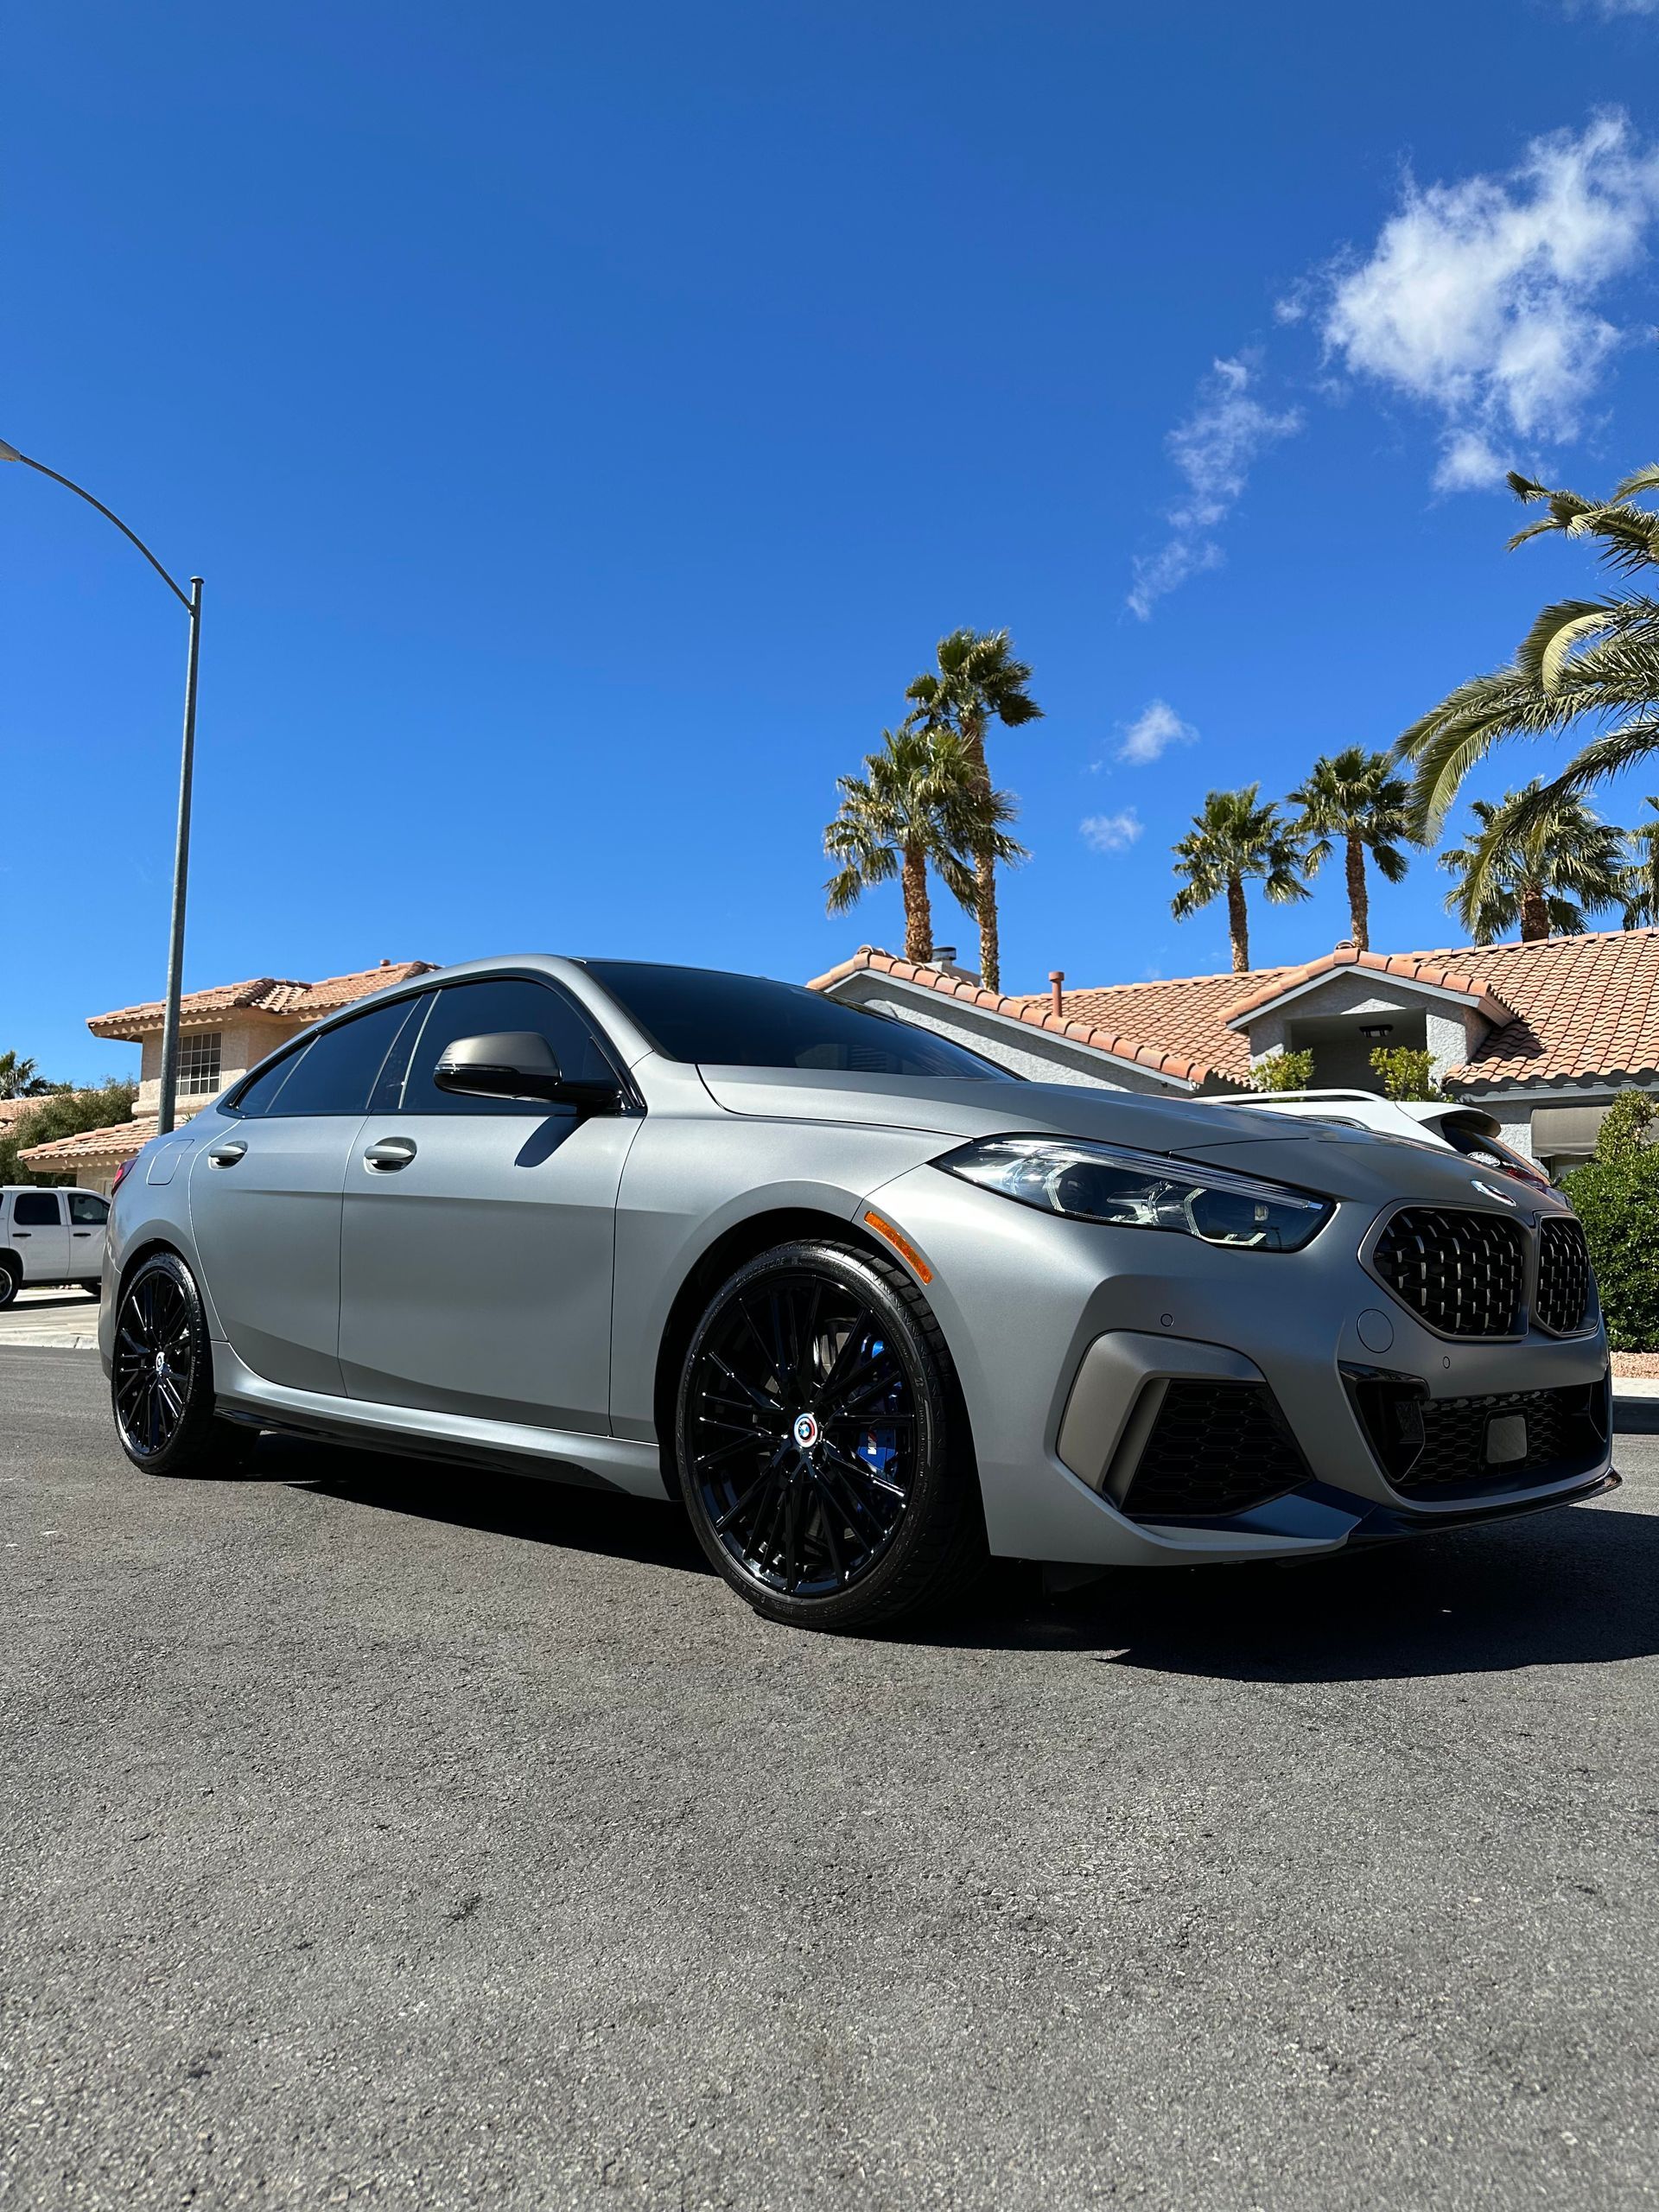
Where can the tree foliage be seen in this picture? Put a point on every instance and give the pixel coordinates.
(1237, 838)
(63, 1113)
(920, 803)
(1405, 1073)
(977, 680)
(1586, 665)
(1536, 862)
(1615, 1197)
(1359, 799)
(1285, 1071)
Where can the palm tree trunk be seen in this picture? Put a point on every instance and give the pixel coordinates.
(1238, 925)
(918, 911)
(1359, 898)
(990, 957)
(1534, 913)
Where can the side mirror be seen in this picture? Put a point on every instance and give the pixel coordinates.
(517, 1063)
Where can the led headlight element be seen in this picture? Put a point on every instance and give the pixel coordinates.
(1141, 1190)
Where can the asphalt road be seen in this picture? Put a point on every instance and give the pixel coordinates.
(374, 1836)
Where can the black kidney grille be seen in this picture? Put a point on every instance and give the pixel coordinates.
(1216, 1448)
(1464, 1273)
(1563, 1298)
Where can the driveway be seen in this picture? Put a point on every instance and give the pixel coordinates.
(375, 1835)
(65, 1320)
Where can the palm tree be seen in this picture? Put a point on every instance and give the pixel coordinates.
(1585, 664)
(977, 680)
(18, 1078)
(1238, 840)
(920, 800)
(1641, 872)
(1356, 796)
(1538, 867)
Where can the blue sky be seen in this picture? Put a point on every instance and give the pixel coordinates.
(587, 420)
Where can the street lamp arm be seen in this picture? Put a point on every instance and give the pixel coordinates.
(10, 453)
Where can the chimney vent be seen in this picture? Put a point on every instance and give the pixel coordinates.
(944, 956)
(1057, 984)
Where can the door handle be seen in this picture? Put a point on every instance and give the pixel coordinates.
(23, 1232)
(83, 1232)
(389, 1153)
(226, 1154)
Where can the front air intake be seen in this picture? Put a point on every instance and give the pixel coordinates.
(1215, 1449)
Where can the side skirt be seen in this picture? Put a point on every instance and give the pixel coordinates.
(554, 1455)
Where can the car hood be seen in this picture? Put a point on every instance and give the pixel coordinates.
(1360, 1164)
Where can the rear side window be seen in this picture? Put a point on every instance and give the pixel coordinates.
(87, 1212)
(336, 1072)
(482, 1009)
(37, 1209)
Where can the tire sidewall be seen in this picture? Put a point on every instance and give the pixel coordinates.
(936, 1427)
(184, 1446)
(11, 1283)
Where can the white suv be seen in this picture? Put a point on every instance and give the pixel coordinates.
(50, 1236)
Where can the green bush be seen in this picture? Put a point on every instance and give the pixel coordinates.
(65, 1114)
(1618, 1201)
(1284, 1071)
(1405, 1072)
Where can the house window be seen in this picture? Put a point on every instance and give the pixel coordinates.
(199, 1063)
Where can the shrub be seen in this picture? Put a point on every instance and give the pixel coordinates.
(1405, 1073)
(1617, 1199)
(1284, 1071)
(1625, 1127)
(63, 1115)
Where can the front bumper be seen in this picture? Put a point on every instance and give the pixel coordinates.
(1072, 1341)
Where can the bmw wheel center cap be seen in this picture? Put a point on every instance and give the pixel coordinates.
(805, 1431)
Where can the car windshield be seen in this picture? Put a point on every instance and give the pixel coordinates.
(744, 1021)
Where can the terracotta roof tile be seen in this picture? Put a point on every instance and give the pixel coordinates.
(1562, 1007)
(119, 1141)
(262, 995)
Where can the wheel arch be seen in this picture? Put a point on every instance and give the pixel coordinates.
(743, 1241)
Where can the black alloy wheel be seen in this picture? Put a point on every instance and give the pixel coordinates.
(160, 1374)
(821, 1446)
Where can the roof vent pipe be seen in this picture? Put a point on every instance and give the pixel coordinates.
(1057, 984)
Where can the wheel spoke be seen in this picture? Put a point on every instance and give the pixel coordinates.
(801, 1518)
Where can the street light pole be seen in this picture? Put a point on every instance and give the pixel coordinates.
(191, 601)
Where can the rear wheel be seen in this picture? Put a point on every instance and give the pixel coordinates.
(161, 1375)
(823, 1449)
(9, 1279)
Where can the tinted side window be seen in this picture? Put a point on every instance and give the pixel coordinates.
(257, 1097)
(337, 1070)
(87, 1212)
(480, 1010)
(37, 1209)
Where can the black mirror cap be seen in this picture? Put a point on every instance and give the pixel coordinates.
(518, 1064)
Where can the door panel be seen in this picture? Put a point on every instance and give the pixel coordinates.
(267, 1227)
(475, 1270)
(39, 1235)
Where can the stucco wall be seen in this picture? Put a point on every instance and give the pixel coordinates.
(245, 1041)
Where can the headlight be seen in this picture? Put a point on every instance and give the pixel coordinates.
(1141, 1190)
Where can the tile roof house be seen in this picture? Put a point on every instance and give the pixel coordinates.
(223, 1032)
(1541, 1035)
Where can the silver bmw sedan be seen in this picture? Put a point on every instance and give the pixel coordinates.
(868, 1305)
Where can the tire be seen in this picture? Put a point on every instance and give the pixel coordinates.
(161, 1375)
(10, 1282)
(822, 1443)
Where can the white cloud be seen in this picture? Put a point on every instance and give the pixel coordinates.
(1608, 9)
(1479, 298)
(1111, 833)
(1213, 449)
(1152, 734)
